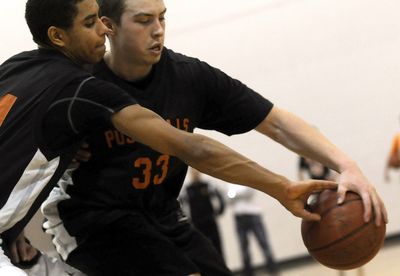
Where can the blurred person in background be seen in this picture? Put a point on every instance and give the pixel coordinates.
(204, 203)
(248, 219)
(393, 158)
(309, 168)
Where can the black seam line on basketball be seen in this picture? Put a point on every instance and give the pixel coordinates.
(342, 238)
(361, 256)
(333, 207)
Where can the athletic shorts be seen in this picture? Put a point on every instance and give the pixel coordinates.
(134, 245)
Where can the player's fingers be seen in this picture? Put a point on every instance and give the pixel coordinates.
(306, 188)
(74, 164)
(379, 209)
(26, 251)
(320, 185)
(385, 215)
(307, 215)
(83, 155)
(366, 199)
(14, 253)
(384, 212)
(31, 252)
(341, 193)
(22, 251)
(85, 145)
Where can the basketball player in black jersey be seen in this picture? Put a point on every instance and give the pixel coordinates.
(121, 215)
(49, 104)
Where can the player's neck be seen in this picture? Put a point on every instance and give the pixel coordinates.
(125, 69)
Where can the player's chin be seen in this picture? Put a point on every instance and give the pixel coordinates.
(96, 55)
(154, 59)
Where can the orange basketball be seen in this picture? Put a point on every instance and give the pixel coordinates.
(341, 240)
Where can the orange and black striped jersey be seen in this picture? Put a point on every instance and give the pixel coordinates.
(47, 106)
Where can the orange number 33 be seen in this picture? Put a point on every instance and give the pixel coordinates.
(6, 103)
(146, 164)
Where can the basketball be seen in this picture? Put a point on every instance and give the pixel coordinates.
(341, 240)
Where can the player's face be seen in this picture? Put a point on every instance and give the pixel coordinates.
(140, 35)
(84, 42)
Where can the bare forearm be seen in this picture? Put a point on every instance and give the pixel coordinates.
(215, 159)
(205, 154)
(298, 136)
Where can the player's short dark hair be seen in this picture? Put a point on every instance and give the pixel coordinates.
(112, 9)
(42, 14)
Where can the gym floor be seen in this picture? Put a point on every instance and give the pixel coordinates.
(386, 263)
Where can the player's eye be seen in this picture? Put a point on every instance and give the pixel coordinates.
(90, 23)
(143, 20)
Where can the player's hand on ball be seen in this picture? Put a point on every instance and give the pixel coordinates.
(352, 179)
(297, 194)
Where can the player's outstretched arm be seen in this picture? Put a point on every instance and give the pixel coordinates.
(215, 159)
(298, 136)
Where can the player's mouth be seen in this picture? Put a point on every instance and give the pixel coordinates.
(102, 44)
(156, 48)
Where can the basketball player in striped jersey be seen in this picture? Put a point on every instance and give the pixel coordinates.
(118, 213)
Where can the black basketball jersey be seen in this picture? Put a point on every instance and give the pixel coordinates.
(124, 175)
(33, 85)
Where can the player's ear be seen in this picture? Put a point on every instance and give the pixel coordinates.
(57, 36)
(109, 24)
